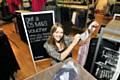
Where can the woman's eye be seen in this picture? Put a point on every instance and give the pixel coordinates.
(57, 32)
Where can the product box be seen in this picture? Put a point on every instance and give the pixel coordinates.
(50, 72)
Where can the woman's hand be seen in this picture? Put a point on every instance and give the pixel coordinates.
(93, 24)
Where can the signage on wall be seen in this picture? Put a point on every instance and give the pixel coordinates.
(37, 27)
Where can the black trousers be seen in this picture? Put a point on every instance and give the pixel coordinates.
(8, 62)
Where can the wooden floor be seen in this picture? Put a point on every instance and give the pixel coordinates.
(22, 53)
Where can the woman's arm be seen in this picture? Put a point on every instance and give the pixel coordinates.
(65, 53)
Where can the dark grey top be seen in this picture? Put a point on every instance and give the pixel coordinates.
(52, 50)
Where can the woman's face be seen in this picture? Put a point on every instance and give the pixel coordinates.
(58, 34)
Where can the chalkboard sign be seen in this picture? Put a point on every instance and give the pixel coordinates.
(37, 27)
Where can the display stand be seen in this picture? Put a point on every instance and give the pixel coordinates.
(37, 27)
(109, 68)
(19, 25)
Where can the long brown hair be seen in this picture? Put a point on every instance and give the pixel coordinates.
(51, 40)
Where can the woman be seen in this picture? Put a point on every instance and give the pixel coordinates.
(58, 45)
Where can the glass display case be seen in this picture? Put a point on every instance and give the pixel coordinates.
(106, 62)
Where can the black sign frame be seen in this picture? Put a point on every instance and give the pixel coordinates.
(37, 28)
